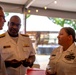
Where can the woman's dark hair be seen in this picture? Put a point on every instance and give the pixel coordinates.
(70, 31)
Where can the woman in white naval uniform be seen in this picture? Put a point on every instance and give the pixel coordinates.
(63, 59)
(18, 52)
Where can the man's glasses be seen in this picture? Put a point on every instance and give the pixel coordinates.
(12, 23)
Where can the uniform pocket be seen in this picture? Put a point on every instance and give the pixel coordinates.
(53, 56)
(26, 52)
(7, 53)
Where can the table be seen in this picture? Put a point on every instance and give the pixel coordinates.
(35, 71)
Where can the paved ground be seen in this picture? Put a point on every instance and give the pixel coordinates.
(42, 60)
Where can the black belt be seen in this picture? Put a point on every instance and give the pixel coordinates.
(15, 63)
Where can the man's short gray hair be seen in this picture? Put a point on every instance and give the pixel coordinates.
(1, 8)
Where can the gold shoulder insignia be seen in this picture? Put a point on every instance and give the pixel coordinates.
(25, 35)
(2, 35)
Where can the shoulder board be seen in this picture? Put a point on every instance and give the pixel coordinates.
(2, 35)
(25, 35)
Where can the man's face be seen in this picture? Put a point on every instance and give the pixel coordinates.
(2, 19)
(14, 25)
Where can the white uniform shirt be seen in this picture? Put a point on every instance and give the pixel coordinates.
(2, 67)
(19, 51)
(63, 62)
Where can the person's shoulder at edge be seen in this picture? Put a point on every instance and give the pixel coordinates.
(56, 49)
(2, 35)
(25, 35)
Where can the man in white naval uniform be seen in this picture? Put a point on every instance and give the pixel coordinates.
(18, 52)
(2, 64)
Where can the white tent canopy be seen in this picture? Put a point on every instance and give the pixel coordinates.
(63, 8)
(40, 23)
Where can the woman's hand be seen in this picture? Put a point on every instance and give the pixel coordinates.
(47, 72)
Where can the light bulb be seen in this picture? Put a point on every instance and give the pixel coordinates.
(45, 7)
(29, 11)
(55, 2)
(36, 10)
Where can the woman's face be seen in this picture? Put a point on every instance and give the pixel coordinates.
(63, 37)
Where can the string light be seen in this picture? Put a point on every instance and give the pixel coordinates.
(55, 2)
(36, 10)
(29, 11)
(45, 7)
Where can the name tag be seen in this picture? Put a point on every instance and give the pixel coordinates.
(8, 46)
(26, 45)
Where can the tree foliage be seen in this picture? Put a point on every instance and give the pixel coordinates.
(62, 21)
(6, 14)
(27, 16)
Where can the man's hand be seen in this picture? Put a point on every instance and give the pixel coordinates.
(27, 63)
(48, 72)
